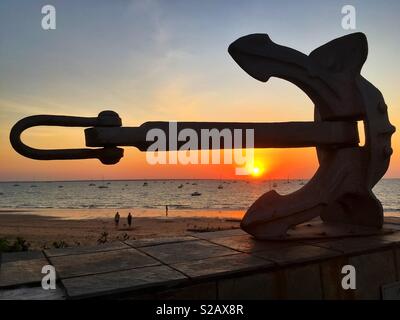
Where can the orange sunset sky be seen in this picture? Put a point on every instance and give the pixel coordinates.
(168, 61)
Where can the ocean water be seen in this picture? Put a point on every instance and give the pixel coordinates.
(217, 195)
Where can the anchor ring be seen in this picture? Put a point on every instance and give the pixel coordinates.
(107, 155)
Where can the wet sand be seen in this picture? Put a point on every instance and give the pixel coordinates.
(42, 231)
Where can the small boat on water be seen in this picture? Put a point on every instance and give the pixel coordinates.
(16, 185)
(220, 187)
(180, 186)
(102, 187)
(196, 194)
(92, 185)
(145, 184)
(194, 184)
(61, 187)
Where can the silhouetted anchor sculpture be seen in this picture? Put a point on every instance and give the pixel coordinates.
(340, 191)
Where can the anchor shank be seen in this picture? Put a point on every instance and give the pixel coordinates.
(266, 135)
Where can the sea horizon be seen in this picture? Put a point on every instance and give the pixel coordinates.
(250, 178)
(149, 197)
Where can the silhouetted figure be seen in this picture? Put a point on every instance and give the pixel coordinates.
(116, 219)
(166, 210)
(129, 219)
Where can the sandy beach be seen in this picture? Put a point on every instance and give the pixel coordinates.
(42, 231)
(41, 228)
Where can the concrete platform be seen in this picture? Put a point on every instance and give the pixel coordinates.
(214, 265)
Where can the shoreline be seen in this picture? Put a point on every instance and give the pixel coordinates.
(100, 213)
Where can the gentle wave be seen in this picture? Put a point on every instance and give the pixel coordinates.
(155, 195)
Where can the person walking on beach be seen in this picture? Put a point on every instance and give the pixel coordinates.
(129, 219)
(116, 219)
(166, 210)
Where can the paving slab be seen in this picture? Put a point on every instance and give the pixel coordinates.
(219, 234)
(355, 245)
(321, 230)
(156, 241)
(122, 281)
(296, 254)
(246, 243)
(23, 255)
(187, 251)
(100, 262)
(34, 293)
(21, 272)
(392, 238)
(222, 266)
(117, 245)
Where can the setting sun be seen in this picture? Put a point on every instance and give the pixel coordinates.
(255, 169)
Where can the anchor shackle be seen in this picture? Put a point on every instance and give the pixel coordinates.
(107, 154)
